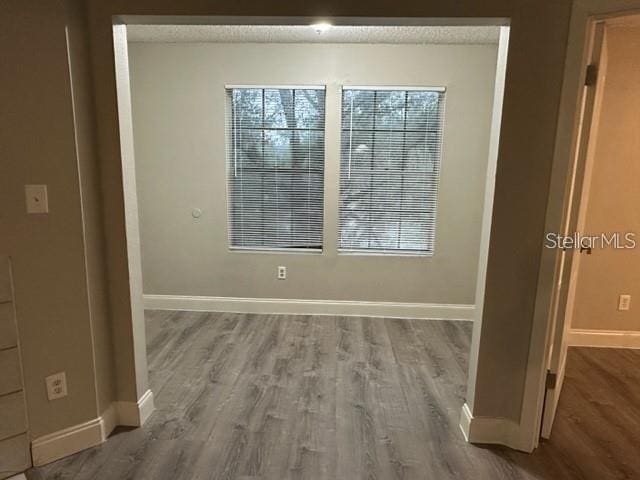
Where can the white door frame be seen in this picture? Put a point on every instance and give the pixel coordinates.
(584, 14)
(573, 221)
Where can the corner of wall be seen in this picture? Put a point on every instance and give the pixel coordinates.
(135, 414)
(60, 444)
(135, 343)
(490, 430)
(84, 124)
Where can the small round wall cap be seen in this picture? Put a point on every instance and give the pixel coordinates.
(196, 213)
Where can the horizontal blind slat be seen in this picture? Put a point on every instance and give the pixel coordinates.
(389, 168)
(275, 149)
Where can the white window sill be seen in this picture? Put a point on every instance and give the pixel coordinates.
(277, 251)
(384, 253)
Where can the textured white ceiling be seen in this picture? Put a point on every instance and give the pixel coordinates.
(306, 34)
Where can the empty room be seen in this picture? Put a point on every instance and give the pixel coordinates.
(310, 203)
(318, 240)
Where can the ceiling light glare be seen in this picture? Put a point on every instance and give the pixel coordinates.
(321, 27)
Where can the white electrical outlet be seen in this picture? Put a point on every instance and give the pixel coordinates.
(282, 272)
(624, 302)
(56, 385)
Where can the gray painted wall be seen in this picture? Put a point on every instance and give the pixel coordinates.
(178, 114)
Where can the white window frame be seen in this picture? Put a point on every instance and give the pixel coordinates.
(392, 252)
(229, 166)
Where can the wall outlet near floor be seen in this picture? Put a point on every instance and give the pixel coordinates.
(624, 302)
(56, 385)
(282, 272)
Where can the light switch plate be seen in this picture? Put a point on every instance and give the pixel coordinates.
(624, 302)
(37, 200)
(56, 385)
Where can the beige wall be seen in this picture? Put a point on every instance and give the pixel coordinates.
(613, 203)
(84, 124)
(38, 146)
(56, 258)
(178, 100)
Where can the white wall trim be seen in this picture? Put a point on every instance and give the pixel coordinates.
(51, 447)
(310, 307)
(146, 406)
(501, 431)
(68, 441)
(109, 421)
(134, 414)
(465, 421)
(603, 338)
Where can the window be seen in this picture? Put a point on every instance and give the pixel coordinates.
(389, 167)
(275, 140)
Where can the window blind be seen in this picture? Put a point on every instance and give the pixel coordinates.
(389, 167)
(275, 148)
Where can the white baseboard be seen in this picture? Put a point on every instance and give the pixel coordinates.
(603, 338)
(68, 441)
(109, 420)
(465, 421)
(134, 414)
(49, 448)
(489, 430)
(434, 311)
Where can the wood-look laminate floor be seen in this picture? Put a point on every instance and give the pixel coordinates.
(277, 397)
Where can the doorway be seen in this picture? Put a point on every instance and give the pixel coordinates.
(595, 295)
(131, 205)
